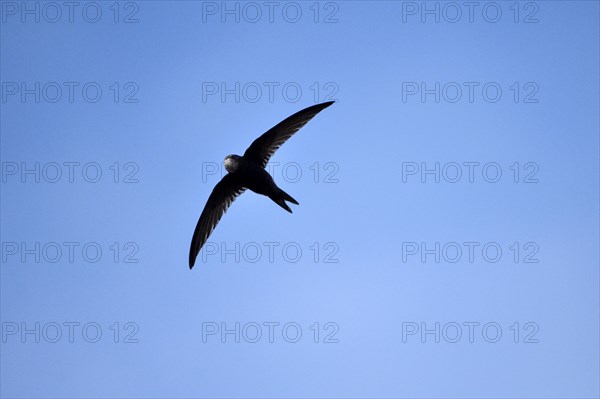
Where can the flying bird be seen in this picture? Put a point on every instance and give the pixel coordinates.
(248, 172)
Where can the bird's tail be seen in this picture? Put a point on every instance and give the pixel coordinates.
(281, 197)
(288, 197)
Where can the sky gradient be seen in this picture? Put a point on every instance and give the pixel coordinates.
(446, 241)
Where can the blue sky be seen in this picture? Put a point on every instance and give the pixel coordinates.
(446, 242)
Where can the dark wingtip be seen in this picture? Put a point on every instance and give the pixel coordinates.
(320, 106)
(191, 263)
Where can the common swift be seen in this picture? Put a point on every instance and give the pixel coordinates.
(248, 172)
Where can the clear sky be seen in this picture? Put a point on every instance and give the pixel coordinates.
(446, 242)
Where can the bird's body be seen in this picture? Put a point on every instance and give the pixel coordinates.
(248, 172)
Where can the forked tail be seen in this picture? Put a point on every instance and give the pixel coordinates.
(280, 197)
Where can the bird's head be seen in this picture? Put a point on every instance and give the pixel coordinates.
(232, 163)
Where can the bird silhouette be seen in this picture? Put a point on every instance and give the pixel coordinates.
(248, 172)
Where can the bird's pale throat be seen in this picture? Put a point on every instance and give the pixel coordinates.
(231, 164)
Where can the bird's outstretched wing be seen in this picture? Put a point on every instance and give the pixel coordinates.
(261, 150)
(222, 196)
